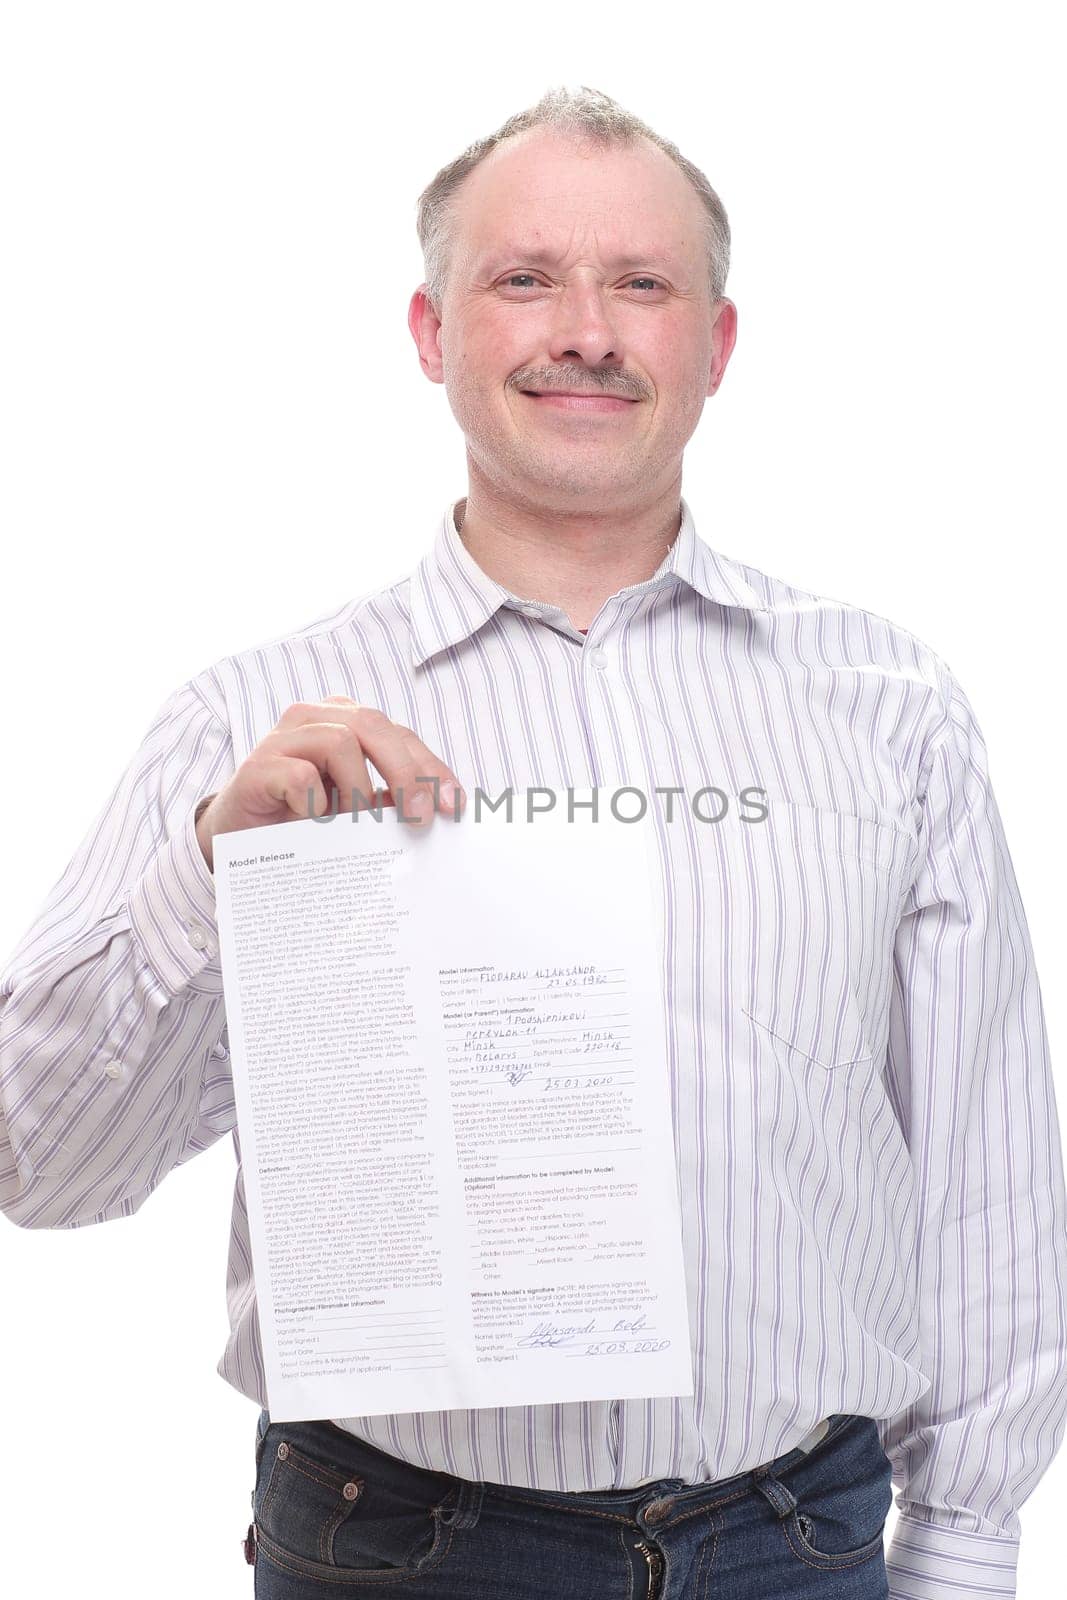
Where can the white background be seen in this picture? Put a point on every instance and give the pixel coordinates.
(215, 429)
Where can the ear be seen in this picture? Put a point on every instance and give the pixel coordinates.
(425, 325)
(723, 338)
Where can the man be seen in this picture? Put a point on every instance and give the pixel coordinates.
(869, 1158)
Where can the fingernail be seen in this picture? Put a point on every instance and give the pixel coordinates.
(421, 805)
(448, 790)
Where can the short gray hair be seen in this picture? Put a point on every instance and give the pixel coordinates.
(582, 113)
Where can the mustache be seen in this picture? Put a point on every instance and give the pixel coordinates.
(620, 384)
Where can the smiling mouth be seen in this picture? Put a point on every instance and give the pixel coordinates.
(579, 401)
(575, 394)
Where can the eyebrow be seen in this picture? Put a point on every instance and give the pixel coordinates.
(544, 258)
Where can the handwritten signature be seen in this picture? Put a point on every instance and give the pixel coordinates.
(604, 1341)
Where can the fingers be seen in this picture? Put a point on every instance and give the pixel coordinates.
(288, 781)
(417, 780)
(335, 752)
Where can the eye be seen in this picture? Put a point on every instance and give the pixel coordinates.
(514, 278)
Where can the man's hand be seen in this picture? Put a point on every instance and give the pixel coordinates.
(320, 747)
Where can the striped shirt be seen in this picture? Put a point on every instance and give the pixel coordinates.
(868, 1153)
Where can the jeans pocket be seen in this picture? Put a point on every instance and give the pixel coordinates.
(843, 1495)
(320, 1519)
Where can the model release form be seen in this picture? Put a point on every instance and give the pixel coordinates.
(449, 1064)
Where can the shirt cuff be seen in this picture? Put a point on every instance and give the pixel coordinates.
(172, 914)
(929, 1561)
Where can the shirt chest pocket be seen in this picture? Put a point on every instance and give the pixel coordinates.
(823, 891)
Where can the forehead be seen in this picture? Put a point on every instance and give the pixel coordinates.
(541, 195)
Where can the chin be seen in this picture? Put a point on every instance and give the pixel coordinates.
(565, 486)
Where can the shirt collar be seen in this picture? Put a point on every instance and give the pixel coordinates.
(451, 595)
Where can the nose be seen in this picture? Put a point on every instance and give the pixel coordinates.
(583, 328)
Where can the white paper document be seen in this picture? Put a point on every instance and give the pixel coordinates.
(449, 1060)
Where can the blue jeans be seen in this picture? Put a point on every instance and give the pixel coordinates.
(337, 1516)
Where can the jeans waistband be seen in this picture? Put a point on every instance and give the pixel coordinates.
(681, 1492)
(395, 1471)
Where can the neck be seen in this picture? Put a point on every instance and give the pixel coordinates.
(574, 560)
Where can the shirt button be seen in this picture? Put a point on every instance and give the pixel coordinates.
(113, 1069)
(197, 938)
(599, 656)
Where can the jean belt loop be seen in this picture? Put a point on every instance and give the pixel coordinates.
(468, 1506)
(773, 1489)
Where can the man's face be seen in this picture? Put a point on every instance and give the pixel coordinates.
(576, 268)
